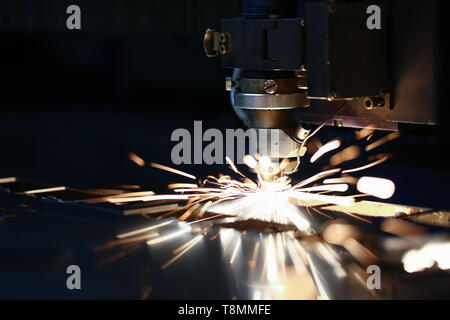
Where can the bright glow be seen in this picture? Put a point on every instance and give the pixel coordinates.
(267, 199)
(378, 187)
(138, 231)
(250, 161)
(231, 163)
(182, 185)
(172, 170)
(151, 198)
(338, 233)
(8, 180)
(182, 250)
(426, 257)
(316, 177)
(332, 145)
(45, 190)
(210, 204)
(136, 159)
(367, 166)
(349, 180)
(347, 154)
(330, 187)
(167, 237)
(236, 248)
(268, 202)
(265, 163)
(271, 260)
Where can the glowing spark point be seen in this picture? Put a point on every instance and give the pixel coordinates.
(427, 256)
(349, 180)
(332, 145)
(190, 244)
(135, 232)
(172, 170)
(378, 187)
(265, 163)
(230, 162)
(316, 177)
(45, 190)
(136, 159)
(181, 185)
(330, 187)
(367, 166)
(267, 199)
(272, 270)
(250, 161)
(166, 237)
(236, 248)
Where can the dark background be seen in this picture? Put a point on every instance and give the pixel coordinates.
(74, 103)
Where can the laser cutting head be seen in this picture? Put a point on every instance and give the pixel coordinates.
(297, 63)
(267, 100)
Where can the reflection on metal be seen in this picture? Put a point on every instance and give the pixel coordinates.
(261, 101)
(376, 209)
(8, 180)
(45, 190)
(328, 262)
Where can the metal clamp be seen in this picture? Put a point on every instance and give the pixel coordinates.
(216, 43)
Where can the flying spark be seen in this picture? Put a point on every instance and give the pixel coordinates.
(271, 198)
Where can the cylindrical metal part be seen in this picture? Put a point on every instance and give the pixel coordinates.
(270, 119)
(302, 131)
(278, 146)
(269, 101)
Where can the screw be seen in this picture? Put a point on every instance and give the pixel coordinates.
(374, 102)
(270, 86)
(368, 103)
(338, 123)
(228, 84)
(222, 38)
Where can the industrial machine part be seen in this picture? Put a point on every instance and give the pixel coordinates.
(343, 63)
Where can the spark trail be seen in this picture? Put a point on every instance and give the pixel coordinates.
(225, 200)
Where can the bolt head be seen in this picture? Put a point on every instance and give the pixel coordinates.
(270, 86)
(368, 103)
(223, 38)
